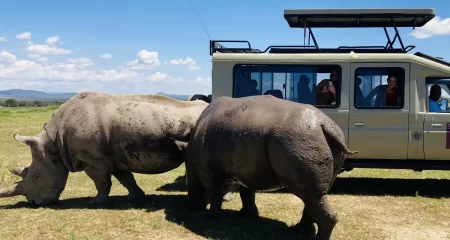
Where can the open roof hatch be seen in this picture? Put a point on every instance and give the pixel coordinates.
(342, 18)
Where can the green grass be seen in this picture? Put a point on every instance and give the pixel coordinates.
(371, 204)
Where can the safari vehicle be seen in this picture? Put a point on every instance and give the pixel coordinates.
(401, 135)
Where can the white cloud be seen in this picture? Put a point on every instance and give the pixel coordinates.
(203, 81)
(42, 59)
(76, 69)
(188, 61)
(45, 49)
(34, 55)
(7, 57)
(146, 60)
(78, 74)
(435, 26)
(24, 36)
(158, 76)
(52, 40)
(81, 62)
(3, 39)
(106, 56)
(38, 57)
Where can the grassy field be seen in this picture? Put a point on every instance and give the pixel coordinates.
(371, 204)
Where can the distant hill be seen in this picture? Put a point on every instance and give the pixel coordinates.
(33, 95)
(176, 96)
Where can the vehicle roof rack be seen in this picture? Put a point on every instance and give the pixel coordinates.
(341, 18)
(358, 18)
(434, 59)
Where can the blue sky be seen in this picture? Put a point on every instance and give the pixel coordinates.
(55, 46)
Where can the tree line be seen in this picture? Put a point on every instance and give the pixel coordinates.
(11, 102)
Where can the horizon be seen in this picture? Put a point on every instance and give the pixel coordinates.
(116, 47)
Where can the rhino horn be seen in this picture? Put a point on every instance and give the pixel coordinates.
(26, 140)
(181, 145)
(22, 172)
(12, 190)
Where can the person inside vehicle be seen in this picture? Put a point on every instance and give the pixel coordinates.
(253, 88)
(275, 92)
(435, 94)
(303, 90)
(326, 90)
(389, 93)
(359, 94)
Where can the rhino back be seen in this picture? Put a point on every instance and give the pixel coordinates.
(233, 135)
(130, 132)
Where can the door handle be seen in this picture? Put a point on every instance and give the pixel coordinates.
(359, 123)
(436, 124)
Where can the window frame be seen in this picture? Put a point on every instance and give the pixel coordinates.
(402, 90)
(261, 66)
(430, 80)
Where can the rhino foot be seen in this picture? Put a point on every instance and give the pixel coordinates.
(249, 212)
(136, 195)
(98, 200)
(306, 231)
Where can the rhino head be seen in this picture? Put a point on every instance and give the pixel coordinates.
(44, 180)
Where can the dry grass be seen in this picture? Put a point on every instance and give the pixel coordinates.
(372, 204)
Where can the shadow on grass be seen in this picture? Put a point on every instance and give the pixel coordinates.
(433, 188)
(179, 185)
(230, 226)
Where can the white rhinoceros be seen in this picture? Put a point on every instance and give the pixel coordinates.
(266, 143)
(103, 135)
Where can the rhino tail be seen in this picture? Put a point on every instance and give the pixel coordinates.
(330, 130)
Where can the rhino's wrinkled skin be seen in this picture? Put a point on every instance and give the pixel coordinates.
(229, 185)
(104, 135)
(266, 143)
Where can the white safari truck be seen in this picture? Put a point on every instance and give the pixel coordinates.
(381, 96)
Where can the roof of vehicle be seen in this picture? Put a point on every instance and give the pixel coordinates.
(358, 18)
(286, 58)
(339, 18)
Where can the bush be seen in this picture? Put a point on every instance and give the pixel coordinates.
(11, 102)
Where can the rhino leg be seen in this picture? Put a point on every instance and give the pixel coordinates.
(102, 181)
(308, 177)
(215, 189)
(326, 218)
(249, 208)
(197, 196)
(306, 225)
(127, 179)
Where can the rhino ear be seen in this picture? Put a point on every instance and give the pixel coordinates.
(26, 140)
(21, 172)
(181, 145)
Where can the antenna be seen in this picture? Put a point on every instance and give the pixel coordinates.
(199, 19)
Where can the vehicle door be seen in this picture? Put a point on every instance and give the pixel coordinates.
(437, 124)
(376, 130)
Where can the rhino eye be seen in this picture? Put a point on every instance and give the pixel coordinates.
(35, 175)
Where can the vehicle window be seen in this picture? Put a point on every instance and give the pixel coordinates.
(438, 93)
(317, 85)
(379, 87)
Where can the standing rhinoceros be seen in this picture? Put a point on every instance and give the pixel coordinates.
(266, 143)
(105, 134)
